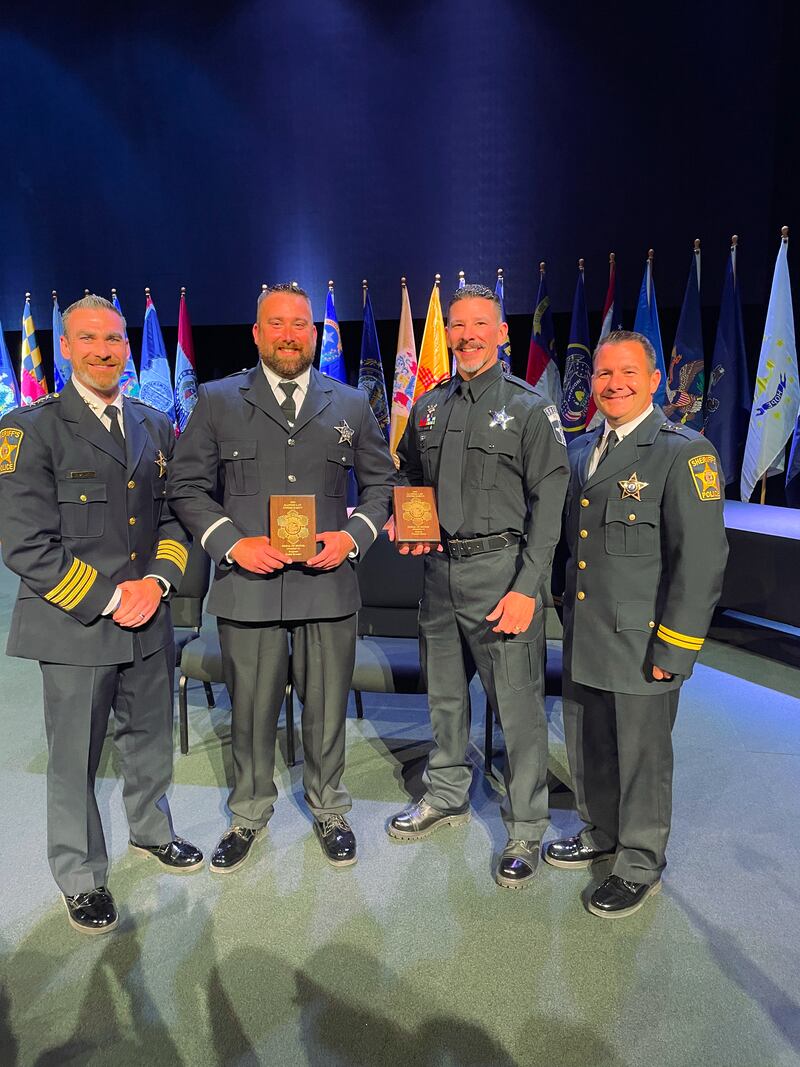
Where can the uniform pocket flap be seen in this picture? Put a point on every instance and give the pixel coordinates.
(635, 615)
(79, 492)
(632, 512)
(237, 449)
(339, 454)
(501, 443)
(430, 439)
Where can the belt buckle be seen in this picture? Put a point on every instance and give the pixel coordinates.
(507, 542)
(454, 548)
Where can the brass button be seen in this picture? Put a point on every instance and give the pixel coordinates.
(631, 516)
(133, 555)
(584, 503)
(84, 498)
(584, 533)
(290, 441)
(581, 595)
(131, 485)
(292, 478)
(582, 564)
(131, 521)
(651, 624)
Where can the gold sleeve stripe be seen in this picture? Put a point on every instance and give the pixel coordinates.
(694, 644)
(166, 558)
(174, 546)
(71, 590)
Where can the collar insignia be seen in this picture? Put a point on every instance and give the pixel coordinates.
(500, 418)
(632, 487)
(345, 433)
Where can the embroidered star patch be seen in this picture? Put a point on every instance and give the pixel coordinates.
(345, 433)
(161, 463)
(632, 487)
(500, 418)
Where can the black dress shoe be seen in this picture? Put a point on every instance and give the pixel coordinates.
(337, 839)
(178, 856)
(616, 897)
(233, 849)
(93, 912)
(420, 820)
(518, 864)
(571, 852)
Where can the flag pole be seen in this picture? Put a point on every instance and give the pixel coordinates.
(697, 260)
(363, 292)
(542, 267)
(580, 265)
(462, 278)
(734, 243)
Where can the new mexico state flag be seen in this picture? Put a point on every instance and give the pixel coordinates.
(433, 363)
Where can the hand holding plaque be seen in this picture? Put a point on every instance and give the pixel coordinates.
(416, 520)
(293, 526)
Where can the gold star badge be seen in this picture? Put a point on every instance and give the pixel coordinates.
(345, 433)
(632, 487)
(161, 461)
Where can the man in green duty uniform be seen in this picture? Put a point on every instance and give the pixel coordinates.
(497, 458)
(646, 550)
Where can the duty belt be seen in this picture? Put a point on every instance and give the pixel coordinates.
(473, 546)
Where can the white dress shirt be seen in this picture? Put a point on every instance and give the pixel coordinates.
(621, 432)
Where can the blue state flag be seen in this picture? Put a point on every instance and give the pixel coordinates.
(503, 350)
(129, 382)
(370, 369)
(9, 388)
(727, 411)
(577, 388)
(155, 380)
(776, 397)
(687, 366)
(331, 359)
(62, 368)
(647, 323)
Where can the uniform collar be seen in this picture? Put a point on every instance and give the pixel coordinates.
(94, 402)
(479, 384)
(628, 427)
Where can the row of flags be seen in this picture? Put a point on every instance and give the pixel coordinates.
(154, 384)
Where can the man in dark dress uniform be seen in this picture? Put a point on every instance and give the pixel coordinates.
(498, 460)
(283, 428)
(84, 523)
(646, 550)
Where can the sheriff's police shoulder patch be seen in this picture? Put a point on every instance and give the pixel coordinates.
(10, 440)
(705, 475)
(551, 411)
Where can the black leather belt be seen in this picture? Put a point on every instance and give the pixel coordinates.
(474, 546)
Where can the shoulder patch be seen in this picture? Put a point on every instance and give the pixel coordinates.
(705, 475)
(551, 411)
(10, 440)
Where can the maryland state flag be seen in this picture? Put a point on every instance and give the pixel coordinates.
(9, 390)
(542, 371)
(331, 359)
(687, 374)
(578, 364)
(156, 384)
(185, 368)
(62, 368)
(33, 385)
(405, 373)
(503, 350)
(370, 368)
(433, 363)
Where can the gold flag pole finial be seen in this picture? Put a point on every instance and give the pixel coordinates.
(403, 282)
(437, 279)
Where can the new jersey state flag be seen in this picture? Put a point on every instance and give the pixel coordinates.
(32, 382)
(331, 359)
(155, 380)
(433, 365)
(9, 389)
(405, 373)
(777, 393)
(185, 368)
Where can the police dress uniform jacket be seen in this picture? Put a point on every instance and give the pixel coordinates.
(646, 552)
(77, 517)
(238, 450)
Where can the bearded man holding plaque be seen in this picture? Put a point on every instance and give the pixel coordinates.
(497, 459)
(260, 478)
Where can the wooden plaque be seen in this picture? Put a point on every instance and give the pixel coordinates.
(293, 526)
(415, 515)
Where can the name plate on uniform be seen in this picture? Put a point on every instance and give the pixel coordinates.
(293, 526)
(415, 515)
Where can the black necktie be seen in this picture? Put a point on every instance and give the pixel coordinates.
(288, 407)
(611, 442)
(112, 412)
(448, 489)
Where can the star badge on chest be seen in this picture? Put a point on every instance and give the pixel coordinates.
(161, 463)
(345, 433)
(500, 418)
(632, 487)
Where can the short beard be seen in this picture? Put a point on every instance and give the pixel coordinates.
(286, 367)
(105, 390)
(480, 358)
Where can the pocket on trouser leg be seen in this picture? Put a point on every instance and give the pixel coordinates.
(520, 668)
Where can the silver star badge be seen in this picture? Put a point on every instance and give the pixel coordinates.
(345, 433)
(161, 463)
(500, 418)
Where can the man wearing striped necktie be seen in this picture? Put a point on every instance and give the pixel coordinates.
(84, 523)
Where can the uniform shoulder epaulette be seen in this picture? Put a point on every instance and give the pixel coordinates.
(521, 383)
(678, 428)
(49, 398)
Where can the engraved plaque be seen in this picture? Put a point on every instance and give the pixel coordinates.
(293, 526)
(415, 516)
